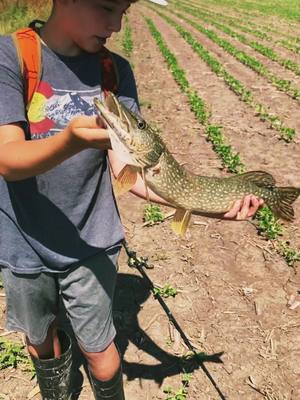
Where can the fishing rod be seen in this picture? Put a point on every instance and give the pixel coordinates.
(141, 263)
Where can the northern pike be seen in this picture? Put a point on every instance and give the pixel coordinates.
(144, 152)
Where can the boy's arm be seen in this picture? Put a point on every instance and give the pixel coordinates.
(21, 159)
(241, 210)
(139, 188)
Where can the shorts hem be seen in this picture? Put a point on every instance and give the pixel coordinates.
(36, 342)
(98, 348)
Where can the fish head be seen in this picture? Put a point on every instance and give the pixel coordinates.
(132, 138)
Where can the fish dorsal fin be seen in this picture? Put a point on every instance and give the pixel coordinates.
(260, 178)
(125, 180)
(181, 221)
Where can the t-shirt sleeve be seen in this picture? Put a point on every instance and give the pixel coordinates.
(12, 107)
(127, 91)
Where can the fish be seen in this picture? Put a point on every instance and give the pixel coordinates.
(143, 151)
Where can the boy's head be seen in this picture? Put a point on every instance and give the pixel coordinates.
(89, 23)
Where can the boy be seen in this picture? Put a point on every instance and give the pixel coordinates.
(60, 232)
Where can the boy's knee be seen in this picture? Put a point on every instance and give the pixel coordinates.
(103, 365)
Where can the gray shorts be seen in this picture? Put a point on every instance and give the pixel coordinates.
(86, 291)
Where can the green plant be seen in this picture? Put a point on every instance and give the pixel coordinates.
(165, 291)
(230, 160)
(291, 255)
(236, 86)
(268, 225)
(153, 214)
(16, 14)
(262, 49)
(12, 354)
(127, 42)
(182, 393)
(250, 61)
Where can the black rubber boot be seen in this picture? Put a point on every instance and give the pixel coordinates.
(53, 375)
(108, 390)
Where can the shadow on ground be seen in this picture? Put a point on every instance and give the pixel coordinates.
(130, 294)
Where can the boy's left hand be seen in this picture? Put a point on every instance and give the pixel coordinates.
(244, 208)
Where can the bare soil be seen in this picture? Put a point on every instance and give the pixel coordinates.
(233, 288)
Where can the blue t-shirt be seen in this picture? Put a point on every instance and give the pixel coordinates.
(69, 213)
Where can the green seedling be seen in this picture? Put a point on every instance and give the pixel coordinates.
(291, 255)
(153, 214)
(166, 291)
(182, 393)
(12, 354)
(267, 224)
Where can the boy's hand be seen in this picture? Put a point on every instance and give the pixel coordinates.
(245, 208)
(88, 132)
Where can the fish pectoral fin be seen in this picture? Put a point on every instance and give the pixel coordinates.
(125, 180)
(181, 221)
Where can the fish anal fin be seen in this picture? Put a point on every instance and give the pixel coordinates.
(181, 221)
(125, 180)
(260, 178)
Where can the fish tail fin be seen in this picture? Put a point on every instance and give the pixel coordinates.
(285, 196)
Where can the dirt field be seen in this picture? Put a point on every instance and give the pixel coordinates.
(234, 290)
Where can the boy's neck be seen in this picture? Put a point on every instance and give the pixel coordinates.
(54, 36)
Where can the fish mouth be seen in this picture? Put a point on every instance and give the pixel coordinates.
(119, 126)
(114, 116)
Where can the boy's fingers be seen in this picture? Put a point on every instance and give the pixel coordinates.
(254, 204)
(88, 122)
(245, 208)
(232, 213)
(244, 211)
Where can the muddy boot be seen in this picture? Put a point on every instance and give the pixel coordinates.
(108, 390)
(53, 375)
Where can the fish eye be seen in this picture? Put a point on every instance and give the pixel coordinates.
(141, 124)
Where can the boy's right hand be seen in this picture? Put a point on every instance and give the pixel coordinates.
(88, 132)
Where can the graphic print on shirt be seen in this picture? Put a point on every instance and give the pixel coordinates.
(52, 109)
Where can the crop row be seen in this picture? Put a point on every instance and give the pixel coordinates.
(127, 43)
(234, 84)
(229, 159)
(283, 85)
(290, 42)
(264, 50)
(267, 224)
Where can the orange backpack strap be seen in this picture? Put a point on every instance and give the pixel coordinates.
(109, 72)
(28, 48)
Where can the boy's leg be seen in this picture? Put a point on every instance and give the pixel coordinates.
(50, 348)
(87, 292)
(32, 302)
